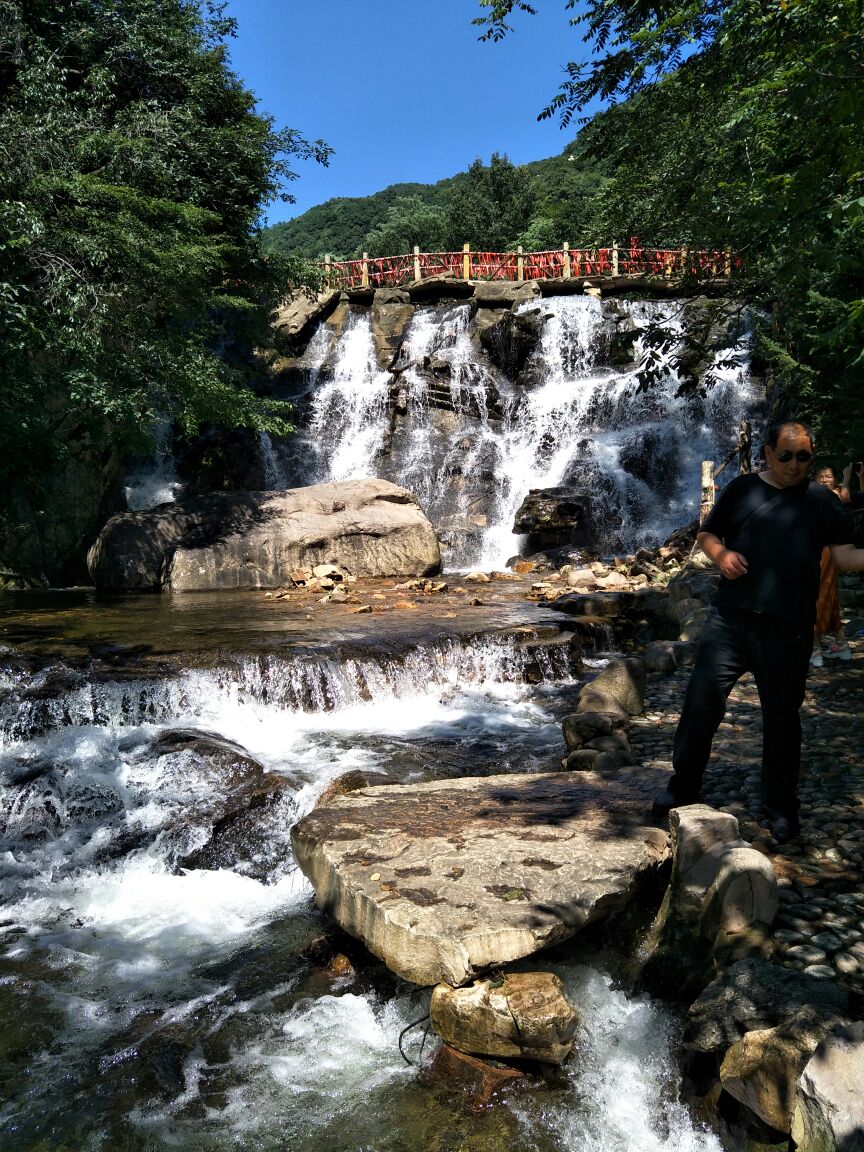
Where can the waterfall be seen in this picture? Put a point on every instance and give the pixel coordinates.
(470, 443)
(349, 410)
(155, 482)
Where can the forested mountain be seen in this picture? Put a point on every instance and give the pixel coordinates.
(492, 206)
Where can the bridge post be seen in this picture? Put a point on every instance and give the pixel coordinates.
(727, 262)
(614, 257)
(706, 498)
(466, 261)
(566, 260)
(364, 271)
(683, 259)
(520, 264)
(327, 271)
(745, 448)
(417, 275)
(667, 267)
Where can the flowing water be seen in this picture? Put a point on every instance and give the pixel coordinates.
(153, 998)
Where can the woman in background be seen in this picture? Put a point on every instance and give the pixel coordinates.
(829, 638)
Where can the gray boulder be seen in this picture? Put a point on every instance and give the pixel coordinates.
(829, 1108)
(625, 681)
(254, 539)
(297, 314)
(719, 906)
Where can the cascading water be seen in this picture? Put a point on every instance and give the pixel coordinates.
(156, 988)
(349, 410)
(156, 482)
(470, 443)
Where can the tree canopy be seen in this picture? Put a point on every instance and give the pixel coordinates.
(134, 170)
(739, 122)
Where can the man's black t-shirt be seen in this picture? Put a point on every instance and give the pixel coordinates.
(781, 532)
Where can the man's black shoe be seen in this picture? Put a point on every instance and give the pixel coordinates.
(665, 801)
(782, 828)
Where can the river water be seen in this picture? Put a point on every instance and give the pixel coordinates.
(151, 999)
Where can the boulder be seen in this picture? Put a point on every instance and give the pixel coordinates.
(256, 539)
(752, 995)
(761, 1070)
(551, 517)
(520, 1014)
(593, 699)
(445, 879)
(296, 316)
(719, 906)
(625, 681)
(580, 727)
(828, 1115)
(659, 656)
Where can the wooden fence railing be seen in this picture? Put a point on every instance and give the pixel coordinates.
(565, 263)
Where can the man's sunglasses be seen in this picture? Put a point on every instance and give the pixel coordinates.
(802, 457)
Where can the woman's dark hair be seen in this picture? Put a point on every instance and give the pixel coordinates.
(772, 434)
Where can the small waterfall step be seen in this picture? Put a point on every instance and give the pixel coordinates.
(444, 880)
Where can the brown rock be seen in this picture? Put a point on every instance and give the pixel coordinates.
(480, 1081)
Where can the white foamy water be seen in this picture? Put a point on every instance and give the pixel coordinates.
(349, 410)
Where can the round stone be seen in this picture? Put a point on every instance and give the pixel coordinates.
(827, 940)
(821, 971)
(847, 964)
(807, 954)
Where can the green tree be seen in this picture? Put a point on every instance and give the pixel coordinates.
(490, 206)
(740, 122)
(134, 169)
(409, 221)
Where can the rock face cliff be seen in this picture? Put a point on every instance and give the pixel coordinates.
(254, 539)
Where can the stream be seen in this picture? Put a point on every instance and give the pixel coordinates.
(153, 997)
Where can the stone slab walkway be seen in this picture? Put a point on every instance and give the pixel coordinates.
(820, 927)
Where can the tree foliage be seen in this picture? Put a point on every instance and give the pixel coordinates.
(134, 169)
(740, 122)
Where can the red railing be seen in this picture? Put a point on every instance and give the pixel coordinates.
(564, 263)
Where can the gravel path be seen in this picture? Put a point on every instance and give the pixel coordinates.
(820, 926)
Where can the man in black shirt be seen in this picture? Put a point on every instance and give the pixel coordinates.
(765, 534)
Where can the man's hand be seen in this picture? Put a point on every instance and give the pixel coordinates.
(732, 564)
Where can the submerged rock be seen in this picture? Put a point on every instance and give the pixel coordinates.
(442, 880)
(256, 539)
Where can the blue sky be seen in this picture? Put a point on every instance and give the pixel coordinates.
(401, 89)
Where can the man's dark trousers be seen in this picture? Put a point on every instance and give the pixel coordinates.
(777, 652)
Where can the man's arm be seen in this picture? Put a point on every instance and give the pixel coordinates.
(847, 557)
(731, 564)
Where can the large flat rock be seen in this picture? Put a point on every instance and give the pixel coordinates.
(443, 880)
(230, 540)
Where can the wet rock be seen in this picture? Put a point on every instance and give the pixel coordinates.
(255, 539)
(829, 1108)
(296, 317)
(480, 1081)
(555, 517)
(520, 1014)
(442, 880)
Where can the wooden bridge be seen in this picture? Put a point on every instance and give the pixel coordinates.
(566, 263)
